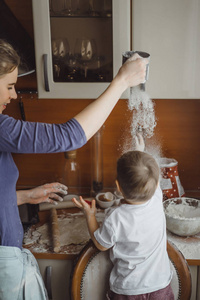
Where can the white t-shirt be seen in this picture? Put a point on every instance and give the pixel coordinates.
(136, 235)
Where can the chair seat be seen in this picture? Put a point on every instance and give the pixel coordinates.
(90, 278)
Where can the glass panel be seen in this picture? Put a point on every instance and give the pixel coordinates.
(81, 35)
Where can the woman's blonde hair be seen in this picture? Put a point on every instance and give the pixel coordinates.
(137, 175)
(9, 59)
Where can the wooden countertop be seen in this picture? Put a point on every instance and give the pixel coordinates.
(43, 251)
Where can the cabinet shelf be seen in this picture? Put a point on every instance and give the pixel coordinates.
(80, 17)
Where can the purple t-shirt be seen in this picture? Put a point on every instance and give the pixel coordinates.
(17, 136)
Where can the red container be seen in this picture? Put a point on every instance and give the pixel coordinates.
(170, 181)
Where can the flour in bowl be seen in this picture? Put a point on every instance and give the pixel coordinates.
(182, 211)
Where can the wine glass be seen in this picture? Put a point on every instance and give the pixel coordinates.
(92, 11)
(60, 54)
(85, 52)
(68, 8)
(107, 8)
(56, 6)
(77, 10)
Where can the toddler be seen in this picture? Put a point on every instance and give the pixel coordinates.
(135, 231)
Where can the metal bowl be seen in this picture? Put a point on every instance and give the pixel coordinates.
(182, 216)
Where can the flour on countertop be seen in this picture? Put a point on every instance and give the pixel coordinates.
(189, 246)
(73, 233)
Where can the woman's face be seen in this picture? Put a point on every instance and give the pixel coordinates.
(7, 88)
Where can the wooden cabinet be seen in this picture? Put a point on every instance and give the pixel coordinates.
(170, 32)
(195, 273)
(198, 284)
(79, 48)
(57, 272)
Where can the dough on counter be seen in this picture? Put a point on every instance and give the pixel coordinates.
(73, 230)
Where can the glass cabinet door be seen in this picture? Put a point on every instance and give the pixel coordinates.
(79, 45)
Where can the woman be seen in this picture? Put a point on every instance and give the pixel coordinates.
(19, 275)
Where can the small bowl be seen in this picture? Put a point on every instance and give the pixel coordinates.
(182, 215)
(118, 197)
(105, 200)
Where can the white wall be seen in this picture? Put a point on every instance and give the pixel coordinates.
(170, 31)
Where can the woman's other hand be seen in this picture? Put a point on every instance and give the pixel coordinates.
(50, 192)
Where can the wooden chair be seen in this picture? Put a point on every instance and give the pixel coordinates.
(90, 278)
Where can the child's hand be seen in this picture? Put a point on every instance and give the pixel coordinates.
(85, 207)
(139, 142)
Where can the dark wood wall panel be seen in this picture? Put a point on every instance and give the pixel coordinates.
(177, 133)
(178, 128)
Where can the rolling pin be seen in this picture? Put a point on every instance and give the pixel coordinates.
(66, 203)
(55, 230)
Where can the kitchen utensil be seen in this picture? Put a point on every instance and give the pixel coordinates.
(109, 196)
(66, 203)
(55, 230)
(128, 54)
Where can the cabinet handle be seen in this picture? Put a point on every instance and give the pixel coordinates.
(48, 281)
(46, 81)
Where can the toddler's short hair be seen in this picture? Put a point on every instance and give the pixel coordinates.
(137, 175)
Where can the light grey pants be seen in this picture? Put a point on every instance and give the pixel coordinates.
(20, 278)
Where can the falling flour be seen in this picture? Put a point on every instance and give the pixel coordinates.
(143, 112)
(142, 106)
(143, 120)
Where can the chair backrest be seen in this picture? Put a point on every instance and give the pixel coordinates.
(90, 278)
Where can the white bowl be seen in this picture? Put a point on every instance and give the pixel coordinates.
(104, 203)
(118, 197)
(182, 215)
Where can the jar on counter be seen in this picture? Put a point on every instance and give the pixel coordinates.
(71, 173)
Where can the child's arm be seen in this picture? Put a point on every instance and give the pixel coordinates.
(139, 142)
(90, 214)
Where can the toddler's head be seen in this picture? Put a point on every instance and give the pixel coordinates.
(137, 175)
